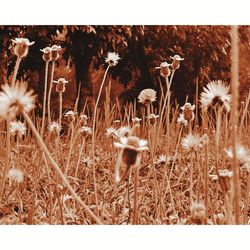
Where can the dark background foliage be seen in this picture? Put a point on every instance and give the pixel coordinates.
(206, 50)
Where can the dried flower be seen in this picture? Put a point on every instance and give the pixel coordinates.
(46, 54)
(15, 99)
(147, 96)
(216, 92)
(176, 61)
(70, 115)
(129, 156)
(188, 111)
(55, 52)
(17, 128)
(85, 131)
(60, 85)
(192, 142)
(153, 118)
(21, 48)
(181, 120)
(136, 120)
(198, 212)
(242, 155)
(164, 69)
(16, 175)
(54, 127)
(112, 58)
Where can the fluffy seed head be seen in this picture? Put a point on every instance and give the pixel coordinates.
(112, 58)
(17, 128)
(147, 96)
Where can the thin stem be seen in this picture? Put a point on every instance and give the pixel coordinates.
(135, 195)
(45, 96)
(58, 169)
(50, 90)
(60, 108)
(18, 61)
(6, 166)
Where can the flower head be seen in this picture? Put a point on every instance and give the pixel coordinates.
(188, 113)
(163, 159)
(132, 142)
(55, 52)
(21, 48)
(54, 127)
(84, 119)
(164, 69)
(46, 54)
(147, 96)
(216, 92)
(153, 118)
(112, 58)
(15, 99)
(176, 61)
(225, 178)
(17, 128)
(70, 115)
(181, 120)
(242, 155)
(111, 132)
(15, 175)
(192, 142)
(60, 85)
(84, 130)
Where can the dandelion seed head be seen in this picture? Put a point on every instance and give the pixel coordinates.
(216, 92)
(192, 142)
(112, 58)
(147, 96)
(15, 99)
(17, 128)
(16, 175)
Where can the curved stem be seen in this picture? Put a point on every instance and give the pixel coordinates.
(58, 169)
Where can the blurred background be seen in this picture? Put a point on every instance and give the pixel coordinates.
(206, 50)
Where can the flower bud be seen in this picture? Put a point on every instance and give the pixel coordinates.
(60, 85)
(176, 61)
(55, 52)
(21, 48)
(47, 54)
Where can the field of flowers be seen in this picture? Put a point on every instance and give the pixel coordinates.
(118, 164)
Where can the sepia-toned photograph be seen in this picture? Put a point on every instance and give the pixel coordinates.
(124, 124)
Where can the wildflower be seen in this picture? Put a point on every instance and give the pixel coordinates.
(84, 119)
(164, 69)
(182, 120)
(136, 120)
(55, 52)
(192, 142)
(111, 132)
(112, 59)
(46, 54)
(21, 48)
(152, 118)
(54, 127)
(216, 92)
(198, 212)
(242, 155)
(188, 113)
(123, 131)
(129, 156)
(60, 85)
(163, 159)
(176, 61)
(15, 99)
(15, 175)
(84, 130)
(17, 128)
(225, 179)
(70, 115)
(147, 96)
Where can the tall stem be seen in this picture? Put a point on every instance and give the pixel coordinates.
(18, 61)
(50, 90)
(135, 195)
(234, 116)
(58, 169)
(45, 96)
(6, 166)
(60, 108)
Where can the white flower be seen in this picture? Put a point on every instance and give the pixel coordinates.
(86, 130)
(182, 120)
(176, 61)
(188, 106)
(132, 142)
(147, 96)
(117, 121)
(17, 128)
(177, 58)
(55, 52)
(153, 118)
(70, 115)
(112, 58)
(192, 142)
(15, 99)
(164, 69)
(54, 127)
(60, 85)
(15, 175)
(21, 48)
(216, 92)
(136, 119)
(242, 155)
(46, 54)
(123, 131)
